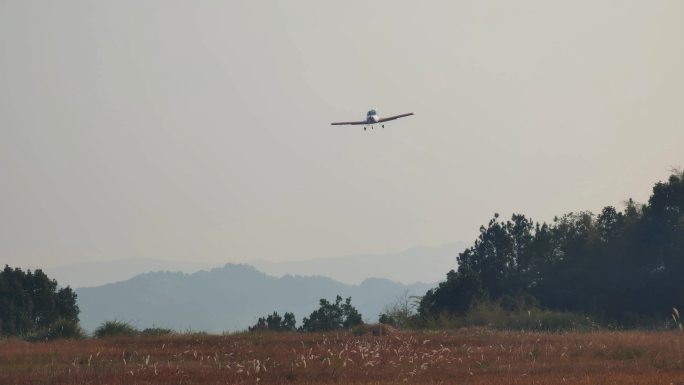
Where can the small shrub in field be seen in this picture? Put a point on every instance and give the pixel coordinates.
(65, 329)
(115, 328)
(275, 323)
(496, 316)
(156, 332)
(402, 313)
(60, 329)
(194, 333)
(442, 321)
(374, 329)
(332, 316)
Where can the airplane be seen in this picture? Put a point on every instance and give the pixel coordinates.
(371, 119)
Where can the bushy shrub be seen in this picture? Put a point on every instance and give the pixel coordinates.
(374, 329)
(332, 316)
(494, 315)
(501, 316)
(154, 331)
(402, 313)
(194, 333)
(115, 329)
(275, 323)
(67, 329)
(60, 329)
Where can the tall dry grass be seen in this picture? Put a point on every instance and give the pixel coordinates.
(477, 355)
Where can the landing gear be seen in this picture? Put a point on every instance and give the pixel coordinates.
(383, 126)
(364, 128)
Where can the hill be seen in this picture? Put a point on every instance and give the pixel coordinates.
(417, 264)
(96, 273)
(226, 299)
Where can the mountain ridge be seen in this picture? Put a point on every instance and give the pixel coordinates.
(227, 298)
(413, 265)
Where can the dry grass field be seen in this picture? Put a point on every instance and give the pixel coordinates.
(466, 356)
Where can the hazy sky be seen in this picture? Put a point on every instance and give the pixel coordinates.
(199, 130)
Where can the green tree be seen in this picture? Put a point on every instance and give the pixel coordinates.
(332, 316)
(453, 296)
(274, 322)
(30, 302)
(402, 313)
(622, 267)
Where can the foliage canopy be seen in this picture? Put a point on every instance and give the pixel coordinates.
(332, 316)
(274, 322)
(619, 266)
(30, 302)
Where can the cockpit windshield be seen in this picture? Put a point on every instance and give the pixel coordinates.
(372, 113)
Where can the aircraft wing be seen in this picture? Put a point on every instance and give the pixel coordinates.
(394, 117)
(350, 123)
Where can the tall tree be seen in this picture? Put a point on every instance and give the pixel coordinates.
(332, 316)
(619, 266)
(30, 301)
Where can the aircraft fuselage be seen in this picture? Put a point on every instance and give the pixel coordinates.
(372, 118)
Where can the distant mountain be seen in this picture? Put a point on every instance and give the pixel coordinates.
(97, 273)
(226, 299)
(419, 264)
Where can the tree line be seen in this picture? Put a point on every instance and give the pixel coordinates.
(30, 302)
(329, 316)
(622, 267)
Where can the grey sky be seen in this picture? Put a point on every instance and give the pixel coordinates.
(199, 130)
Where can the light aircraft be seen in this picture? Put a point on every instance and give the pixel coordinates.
(371, 119)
